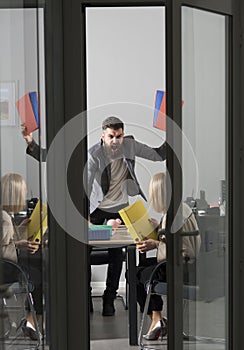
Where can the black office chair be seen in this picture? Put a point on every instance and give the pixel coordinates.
(99, 256)
(15, 292)
(190, 293)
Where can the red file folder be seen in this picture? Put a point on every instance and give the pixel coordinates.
(159, 118)
(28, 110)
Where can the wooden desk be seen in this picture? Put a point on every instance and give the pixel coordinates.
(121, 238)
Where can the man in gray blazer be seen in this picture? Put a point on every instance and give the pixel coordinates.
(111, 180)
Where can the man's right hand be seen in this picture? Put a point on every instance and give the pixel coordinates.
(28, 137)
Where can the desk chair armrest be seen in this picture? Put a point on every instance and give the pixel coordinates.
(186, 260)
(155, 270)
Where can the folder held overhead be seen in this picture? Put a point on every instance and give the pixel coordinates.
(159, 117)
(28, 109)
(136, 219)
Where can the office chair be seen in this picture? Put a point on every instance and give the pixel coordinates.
(15, 292)
(190, 293)
(99, 256)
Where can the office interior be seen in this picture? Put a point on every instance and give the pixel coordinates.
(88, 60)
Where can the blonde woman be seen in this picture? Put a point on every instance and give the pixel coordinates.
(13, 192)
(191, 246)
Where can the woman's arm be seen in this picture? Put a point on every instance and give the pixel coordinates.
(146, 245)
(30, 246)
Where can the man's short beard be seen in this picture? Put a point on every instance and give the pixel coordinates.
(113, 154)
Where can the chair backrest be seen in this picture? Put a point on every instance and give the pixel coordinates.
(13, 276)
(14, 285)
(190, 292)
(100, 256)
(190, 288)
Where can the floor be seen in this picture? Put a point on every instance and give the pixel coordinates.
(111, 333)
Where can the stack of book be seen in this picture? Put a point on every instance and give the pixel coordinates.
(99, 232)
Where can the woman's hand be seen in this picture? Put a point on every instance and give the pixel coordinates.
(146, 245)
(22, 226)
(154, 222)
(30, 246)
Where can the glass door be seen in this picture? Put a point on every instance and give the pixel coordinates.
(22, 100)
(199, 168)
(125, 66)
(205, 125)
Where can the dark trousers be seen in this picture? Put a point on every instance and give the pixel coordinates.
(144, 271)
(32, 265)
(99, 217)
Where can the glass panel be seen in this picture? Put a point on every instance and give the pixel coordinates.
(125, 67)
(204, 91)
(22, 73)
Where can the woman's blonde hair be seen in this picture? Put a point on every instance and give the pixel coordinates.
(13, 189)
(157, 192)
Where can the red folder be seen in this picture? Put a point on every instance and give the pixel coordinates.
(159, 118)
(27, 113)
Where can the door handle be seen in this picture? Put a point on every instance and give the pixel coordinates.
(190, 233)
(162, 232)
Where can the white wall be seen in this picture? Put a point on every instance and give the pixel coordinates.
(19, 62)
(204, 93)
(126, 64)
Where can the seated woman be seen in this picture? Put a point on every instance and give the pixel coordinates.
(13, 190)
(191, 246)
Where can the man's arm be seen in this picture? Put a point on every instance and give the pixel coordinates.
(161, 150)
(34, 150)
(91, 172)
(144, 151)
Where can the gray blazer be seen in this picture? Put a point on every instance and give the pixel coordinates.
(99, 168)
(35, 151)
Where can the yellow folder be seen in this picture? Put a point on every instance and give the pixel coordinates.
(34, 226)
(135, 217)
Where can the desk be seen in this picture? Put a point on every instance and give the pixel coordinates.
(121, 238)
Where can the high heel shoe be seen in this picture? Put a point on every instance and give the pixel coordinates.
(29, 331)
(160, 329)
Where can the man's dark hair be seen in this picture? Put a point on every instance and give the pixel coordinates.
(112, 123)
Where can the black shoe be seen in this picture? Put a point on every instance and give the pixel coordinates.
(108, 306)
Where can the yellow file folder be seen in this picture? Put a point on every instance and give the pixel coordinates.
(34, 226)
(136, 219)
